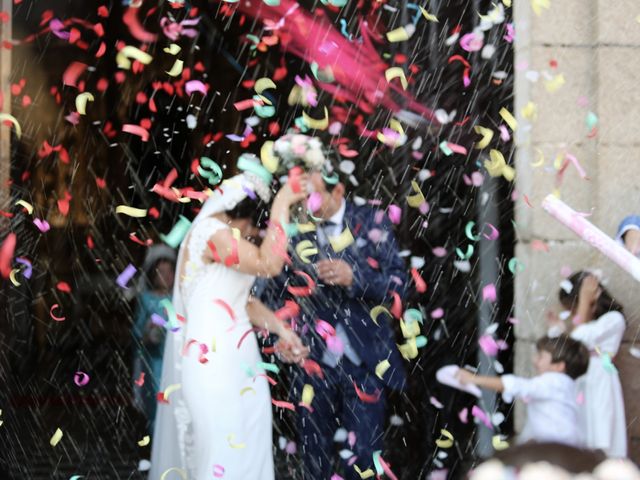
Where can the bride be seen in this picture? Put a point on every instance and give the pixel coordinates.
(214, 413)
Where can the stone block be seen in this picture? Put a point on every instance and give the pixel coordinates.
(618, 185)
(566, 22)
(577, 192)
(561, 119)
(536, 288)
(617, 22)
(618, 93)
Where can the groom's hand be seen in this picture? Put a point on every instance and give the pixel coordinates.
(335, 272)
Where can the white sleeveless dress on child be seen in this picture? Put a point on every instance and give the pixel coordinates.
(602, 413)
(222, 406)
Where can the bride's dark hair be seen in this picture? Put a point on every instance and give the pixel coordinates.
(255, 210)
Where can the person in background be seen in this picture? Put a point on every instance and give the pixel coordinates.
(552, 410)
(629, 233)
(156, 286)
(547, 461)
(596, 320)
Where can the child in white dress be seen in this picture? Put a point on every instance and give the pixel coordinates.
(552, 410)
(596, 320)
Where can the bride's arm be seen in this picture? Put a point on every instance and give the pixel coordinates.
(290, 344)
(268, 259)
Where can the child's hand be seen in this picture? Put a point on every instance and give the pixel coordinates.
(552, 318)
(589, 290)
(464, 376)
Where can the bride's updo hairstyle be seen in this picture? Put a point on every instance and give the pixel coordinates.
(258, 188)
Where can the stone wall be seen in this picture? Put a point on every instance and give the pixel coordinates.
(595, 44)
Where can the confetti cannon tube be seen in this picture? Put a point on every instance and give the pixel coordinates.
(592, 235)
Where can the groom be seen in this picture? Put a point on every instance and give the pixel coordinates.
(353, 357)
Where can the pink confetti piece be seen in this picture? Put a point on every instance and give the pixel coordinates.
(143, 133)
(482, 416)
(471, 42)
(73, 72)
(439, 252)
(126, 275)
(351, 439)
(195, 86)
(314, 202)
(488, 345)
(218, 471)
(437, 313)
(505, 136)
(81, 379)
(435, 402)
(395, 214)
(454, 147)
(493, 234)
(489, 293)
(463, 415)
(42, 225)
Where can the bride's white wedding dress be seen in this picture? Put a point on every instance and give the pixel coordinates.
(218, 421)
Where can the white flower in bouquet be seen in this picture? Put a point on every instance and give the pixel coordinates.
(299, 149)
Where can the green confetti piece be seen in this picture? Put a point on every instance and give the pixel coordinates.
(468, 232)
(271, 367)
(421, 341)
(445, 148)
(467, 255)
(515, 266)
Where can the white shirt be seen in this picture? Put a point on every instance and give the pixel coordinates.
(552, 409)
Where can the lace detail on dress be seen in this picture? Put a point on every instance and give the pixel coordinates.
(195, 267)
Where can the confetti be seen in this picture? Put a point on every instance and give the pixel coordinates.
(447, 441)
(131, 211)
(124, 56)
(126, 275)
(81, 102)
(56, 437)
(396, 72)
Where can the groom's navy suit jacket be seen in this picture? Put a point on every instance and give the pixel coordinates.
(378, 270)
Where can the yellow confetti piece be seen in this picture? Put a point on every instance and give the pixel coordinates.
(172, 49)
(12, 119)
(554, 83)
(342, 241)
(234, 445)
(213, 345)
(25, 204)
(428, 16)
(12, 277)
(81, 102)
(509, 119)
(179, 471)
(557, 162)
(498, 166)
(306, 227)
(376, 311)
(447, 441)
(507, 3)
(409, 330)
(264, 99)
(305, 249)
(368, 473)
(540, 159)
(314, 124)
(396, 72)
(538, 5)
(145, 441)
(499, 443)
(124, 56)
(418, 199)
(487, 136)
(55, 439)
(638, 19)
(409, 350)
(530, 111)
(399, 34)
(246, 390)
(307, 395)
(176, 69)
(268, 159)
(396, 125)
(131, 211)
(263, 84)
(381, 368)
(170, 389)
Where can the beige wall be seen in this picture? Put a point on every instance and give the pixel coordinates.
(596, 44)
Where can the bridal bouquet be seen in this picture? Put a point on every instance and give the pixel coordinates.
(300, 150)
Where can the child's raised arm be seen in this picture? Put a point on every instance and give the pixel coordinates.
(490, 383)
